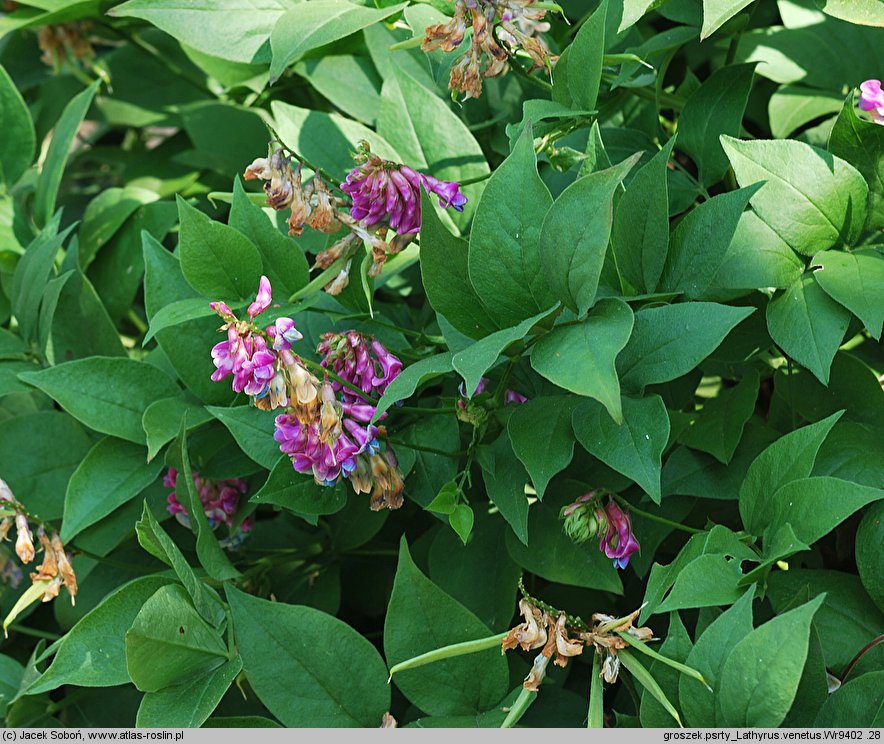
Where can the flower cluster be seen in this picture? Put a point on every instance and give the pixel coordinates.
(475, 412)
(220, 500)
(324, 426)
(518, 23)
(550, 630)
(586, 518)
(55, 570)
(382, 196)
(871, 100)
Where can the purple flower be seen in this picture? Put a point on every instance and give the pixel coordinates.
(871, 99)
(390, 366)
(284, 334)
(511, 396)
(389, 193)
(618, 541)
(262, 299)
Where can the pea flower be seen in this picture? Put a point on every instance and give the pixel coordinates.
(389, 193)
(367, 365)
(586, 518)
(220, 500)
(871, 100)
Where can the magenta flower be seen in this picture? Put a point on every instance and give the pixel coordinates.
(367, 366)
(511, 396)
(389, 193)
(871, 99)
(618, 541)
(220, 500)
(262, 300)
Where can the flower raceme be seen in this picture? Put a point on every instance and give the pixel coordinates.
(378, 195)
(324, 426)
(871, 100)
(586, 518)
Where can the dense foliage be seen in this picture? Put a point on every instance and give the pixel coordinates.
(553, 330)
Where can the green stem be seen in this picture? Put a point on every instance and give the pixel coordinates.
(139, 324)
(475, 179)
(596, 717)
(648, 651)
(667, 100)
(412, 43)
(24, 630)
(420, 411)
(655, 518)
(431, 450)
(523, 702)
(447, 652)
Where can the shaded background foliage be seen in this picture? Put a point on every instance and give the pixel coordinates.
(676, 258)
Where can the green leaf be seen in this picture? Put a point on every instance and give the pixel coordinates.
(505, 480)
(714, 109)
(580, 357)
(708, 656)
(869, 557)
(57, 155)
(421, 618)
(476, 359)
(815, 506)
(812, 199)
(108, 394)
(189, 704)
(177, 313)
(105, 215)
(719, 428)
(253, 430)
(236, 30)
(296, 672)
(169, 642)
(788, 459)
(634, 447)
(861, 143)
(856, 281)
(93, 653)
(461, 521)
(575, 232)
(794, 106)
(552, 555)
(11, 673)
(754, 693)
(718, 12)
(853, 704)
(326, 140)
(306, 27)
(707, 581)
(408, 380)
(51, 437)
(284, 262)
(542, 438)
(19, 140)
(866, 12)
(505, 265)
(480, 574)
(209, 552)
(757, 257)
(113, 472)
(808, 325)
(700, 242)
(640, 233)
(161, 421)
(669, 341)
(578, 72)
(429, 471)
(349, 81)
(154, 539)
(298, 492)
(846, 621)
(31, 275)
(216, 260)
(445, 275)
